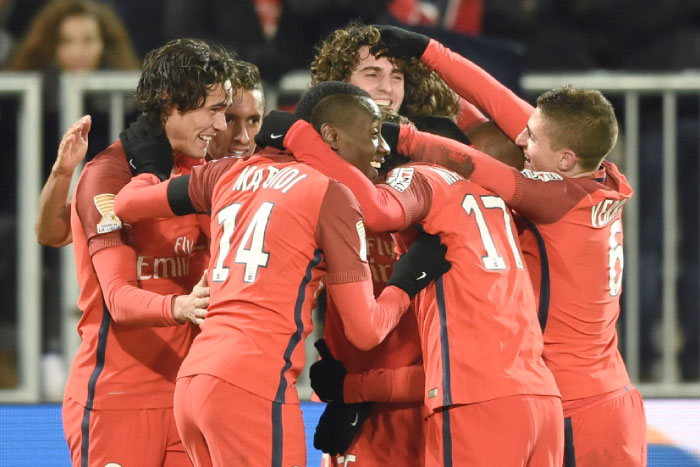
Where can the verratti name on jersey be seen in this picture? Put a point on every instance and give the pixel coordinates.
(254, 177)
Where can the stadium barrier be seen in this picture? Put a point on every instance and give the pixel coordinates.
(120, 85)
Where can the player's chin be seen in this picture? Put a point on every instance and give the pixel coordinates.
(372, 173)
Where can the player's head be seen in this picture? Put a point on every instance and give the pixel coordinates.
(186, 86)
(348, 120)
(243, 116)
(407, 86)
(570, 132)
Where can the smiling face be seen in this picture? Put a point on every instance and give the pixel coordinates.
(80, 44)
(380, 78)
(243, 120)
(537, 145)
(190, 132)
(360, 142)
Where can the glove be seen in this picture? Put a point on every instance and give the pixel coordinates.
(390, 133)
(327, 375)
(400, 43)
(274, 128)
(147, 149)
(424, 261)
(442, 126)
(338, 426)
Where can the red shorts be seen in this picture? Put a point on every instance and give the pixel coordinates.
(610, 430)
(514, 431)
(144, 437)
(223, 425)
(391, 435)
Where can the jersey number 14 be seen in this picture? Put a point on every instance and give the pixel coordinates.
(250, 250)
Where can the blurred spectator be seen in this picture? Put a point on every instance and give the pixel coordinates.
(276, 35)
(74, 36)
(460, 16)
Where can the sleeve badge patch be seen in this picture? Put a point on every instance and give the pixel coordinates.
(400, 179)
(105, 206)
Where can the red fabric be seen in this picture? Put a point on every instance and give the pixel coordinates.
(601, 439)
(138, 264)
(518, 430)
(405, 384)
(205, 408)
(483, 341)
(469, 117)
(474, 84)
(378, 207)
(464, 16)
(111, 430)
(268, 258)
(377, 443)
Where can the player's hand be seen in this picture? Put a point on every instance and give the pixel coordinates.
(327, 375)
(193, 307)
(73, 147)
(420, 265)
(274, 128)
(147, 149)
(338, 426)
(400, 43)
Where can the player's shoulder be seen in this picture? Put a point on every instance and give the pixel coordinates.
(104, 175)
(402, 177)
(112, 157)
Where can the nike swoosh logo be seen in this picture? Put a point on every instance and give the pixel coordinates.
(274, 136)
(356, 419)
(422, 275)
(131, 163)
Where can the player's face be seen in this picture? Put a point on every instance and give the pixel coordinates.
(380, 78)
(80, 44)
(190, 132)
(361, 143)
(243, 120)
(537, 146)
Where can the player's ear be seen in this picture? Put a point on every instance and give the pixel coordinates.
(567, 160)
(329, 134)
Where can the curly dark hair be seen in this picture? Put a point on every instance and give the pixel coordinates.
(179, 74)
(425, 93)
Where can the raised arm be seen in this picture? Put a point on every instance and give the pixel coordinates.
(52, 224)
(470, 81)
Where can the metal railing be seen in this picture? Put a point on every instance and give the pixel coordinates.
(629, 87)
(26, 87)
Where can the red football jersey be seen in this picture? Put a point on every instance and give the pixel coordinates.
(268, 258)
(478, 322)
(129, 355)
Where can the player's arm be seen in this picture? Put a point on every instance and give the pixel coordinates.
(541, 198)
(52, 224)
(127, 303)
(340, 235)
(115, 262)
(395, 385)
(382, 212)
(332, 383)
(466, 78)
(146, 197)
